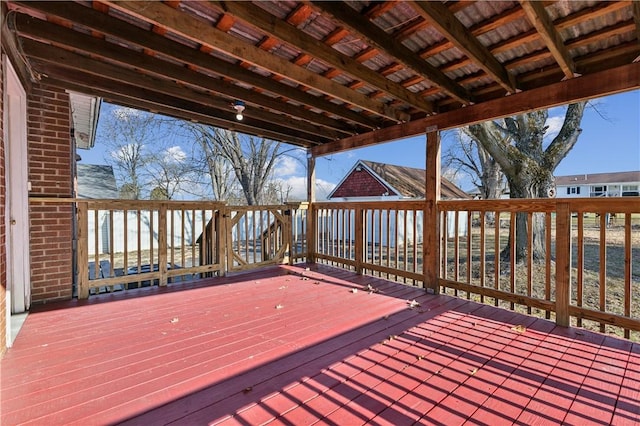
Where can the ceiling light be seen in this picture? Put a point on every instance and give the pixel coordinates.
(239, 107)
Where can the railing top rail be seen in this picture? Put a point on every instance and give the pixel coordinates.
(373, 205)
(118, 203)
(617, 204)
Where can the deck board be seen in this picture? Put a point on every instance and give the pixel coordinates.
(287, 345)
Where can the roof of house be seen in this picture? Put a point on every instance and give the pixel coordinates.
(381, 179)
(596, 178)
(96, 182)
(85, 110)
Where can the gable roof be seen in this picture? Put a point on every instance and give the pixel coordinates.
(96, 182)
(596, 178)
(406, 182)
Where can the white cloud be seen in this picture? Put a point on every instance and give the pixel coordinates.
(124, 113)
(298, 185)
(126, 152)
(286, 166)
(175, 153)
(555, 124)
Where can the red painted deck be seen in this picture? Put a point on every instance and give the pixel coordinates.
(272, 347)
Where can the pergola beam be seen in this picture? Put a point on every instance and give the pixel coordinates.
(165, 16)
(603, 83)
(67, 62)
(441, 18)
(279, 29)
(376, 37)
(136, 36)
(147, 100)
(539, 18)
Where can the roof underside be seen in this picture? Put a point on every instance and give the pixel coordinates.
(331, 75)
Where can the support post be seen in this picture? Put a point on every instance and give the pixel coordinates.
(83, 250)
(162, 244)
(359, 242)
(311, 213)
(563, 263)
(431, 228)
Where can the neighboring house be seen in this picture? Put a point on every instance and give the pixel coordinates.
(618, 184)
(96, 181)
(368, 180)
(371, 181)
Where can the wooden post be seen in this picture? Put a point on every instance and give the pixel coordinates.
(220, 241)
(359, 236)
(431, 228)
(563, 263)
(83, 249)
(311, 213)
(162, 244)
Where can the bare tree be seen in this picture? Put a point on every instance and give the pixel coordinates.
(127, 131)
(470, 159)
(517, 145)
(251, 160)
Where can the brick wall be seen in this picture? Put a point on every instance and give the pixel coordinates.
(50, 174)
(3, 232)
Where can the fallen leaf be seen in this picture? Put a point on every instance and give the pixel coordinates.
(412, 304)
(393, 336)
(519, 328)
(247, 389)
(316, 282)
(420, 357)
(174, 320)
(307, 269)
(474, 371)
(282, 287)
(354, 290)
(279, 306)
(304, 278)
(386, 317)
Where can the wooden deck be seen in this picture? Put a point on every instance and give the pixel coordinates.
(273, 346)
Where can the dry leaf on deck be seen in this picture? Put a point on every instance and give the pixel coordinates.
(474, 371)
(519, 328)
(282, 287)
(354, 290)
(279, 306)
(413, 304)
(174, 320)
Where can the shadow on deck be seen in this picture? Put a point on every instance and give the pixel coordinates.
(295, 347)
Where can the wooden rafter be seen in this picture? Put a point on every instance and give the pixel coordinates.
(144, 99)
(71, 61)
(374, 36)
(636, 18)
(264, 21)
(623, 78)
(539, 18)
(153, 66)
(181, 23)
(157, 43)
(448, 25)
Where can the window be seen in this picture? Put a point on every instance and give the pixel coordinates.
(573, 190)
(629, 187)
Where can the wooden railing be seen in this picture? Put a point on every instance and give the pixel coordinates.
(383, 238)
(586, 275)
(587, 272)
(129, 244)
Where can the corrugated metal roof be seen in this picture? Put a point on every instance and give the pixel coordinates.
(598, 36)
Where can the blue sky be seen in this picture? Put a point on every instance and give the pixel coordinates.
(610, 142)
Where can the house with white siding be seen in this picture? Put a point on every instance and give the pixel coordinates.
(617, 184)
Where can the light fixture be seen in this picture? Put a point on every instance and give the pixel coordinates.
(239, 107)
